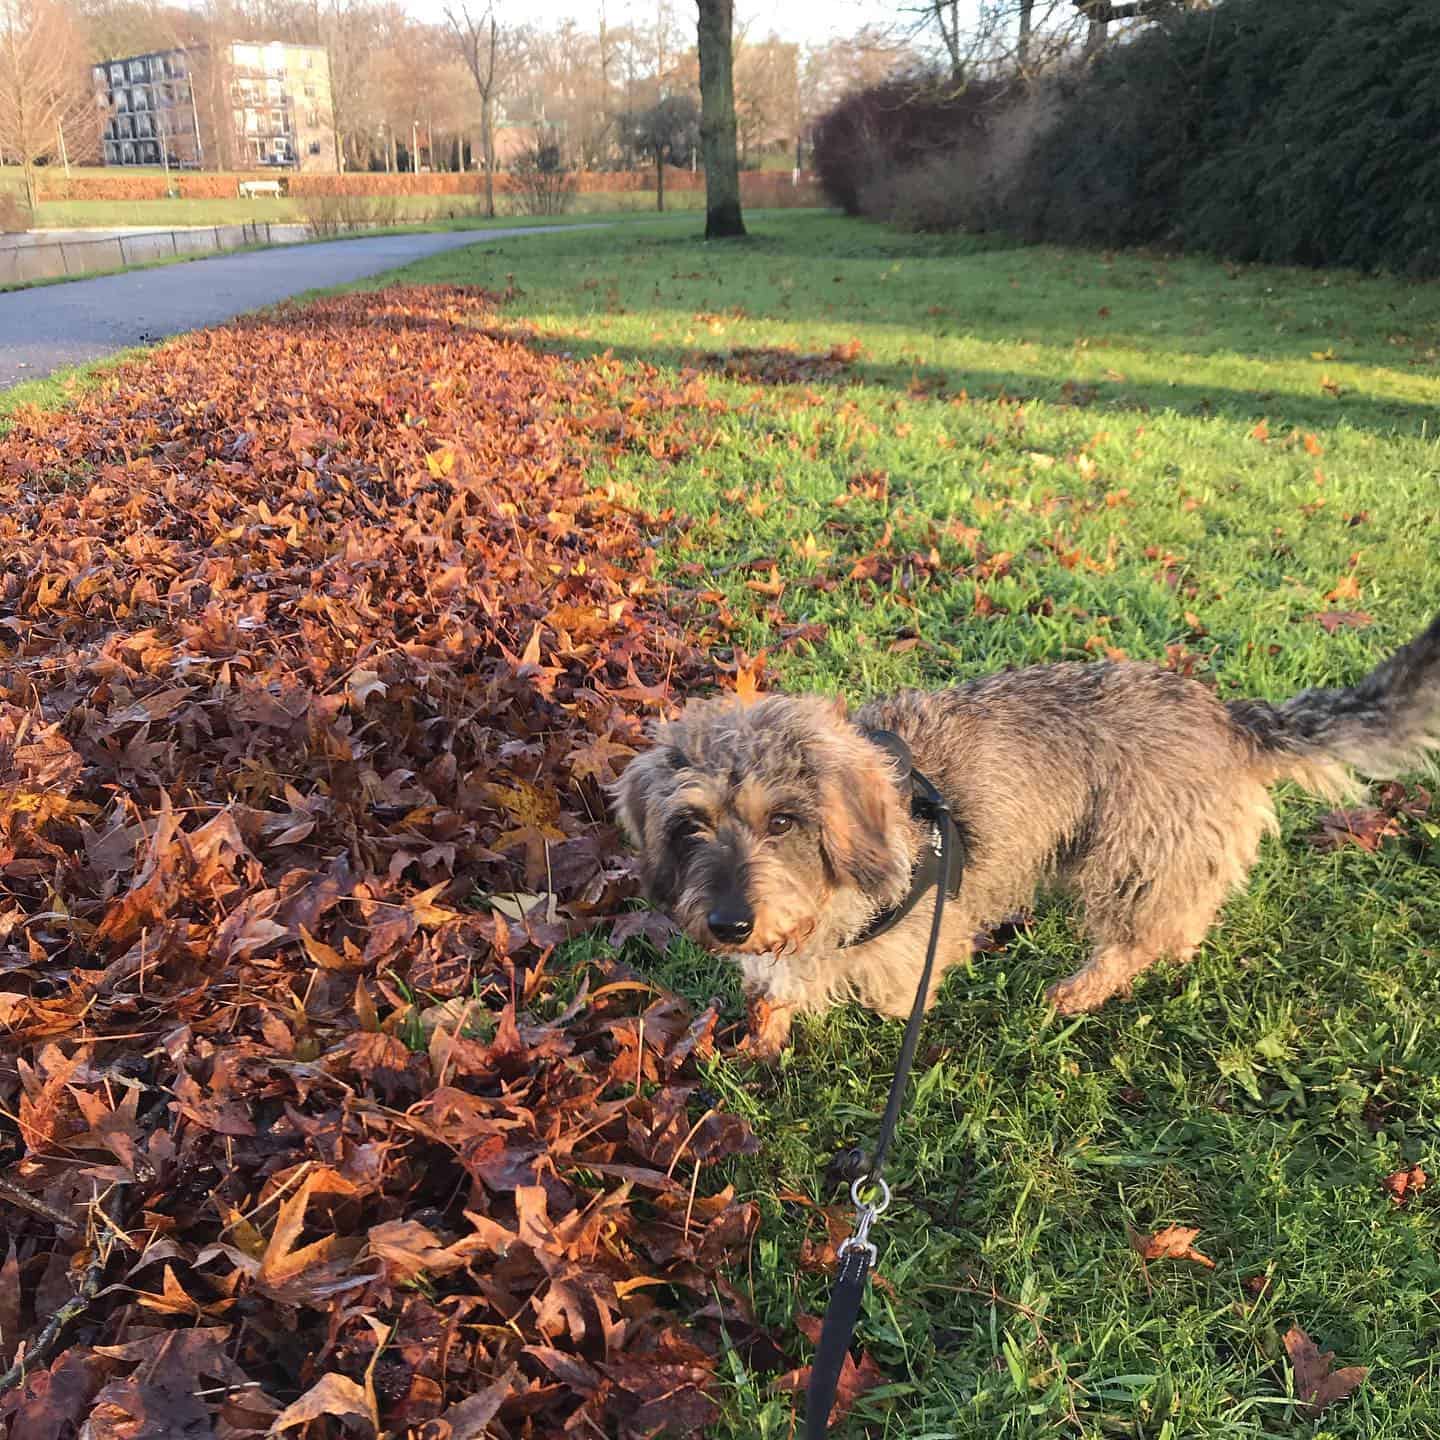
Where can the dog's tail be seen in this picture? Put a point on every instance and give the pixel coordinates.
(1386, 724)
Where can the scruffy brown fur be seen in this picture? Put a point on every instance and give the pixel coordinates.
(1130, 787)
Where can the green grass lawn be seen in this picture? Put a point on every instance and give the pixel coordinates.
(1178, 457)
(1181, 460)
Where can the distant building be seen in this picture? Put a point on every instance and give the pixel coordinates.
(241, 105)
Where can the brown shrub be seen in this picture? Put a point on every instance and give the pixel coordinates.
(779, 190)
(326, 215)
(14, 214)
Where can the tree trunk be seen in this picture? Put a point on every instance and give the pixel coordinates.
(487, 144)
(660, 180)
(1098, 13)
(1027, 19)
(717, 120)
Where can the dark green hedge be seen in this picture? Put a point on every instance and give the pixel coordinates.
(1304, 131)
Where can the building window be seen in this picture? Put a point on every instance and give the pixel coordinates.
(314, 147)
(312, 119)
(309, 91)
(309, 61)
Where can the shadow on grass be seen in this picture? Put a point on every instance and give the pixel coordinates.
(1191, 336)
(1187, 398)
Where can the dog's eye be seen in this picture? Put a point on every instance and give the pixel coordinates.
(781, 824)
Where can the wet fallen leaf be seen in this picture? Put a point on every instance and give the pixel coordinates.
(335, 1395)
(855, 1379)
(1366, 828)
(1334, 620)
(1174, 1242)
(1317, 1385)
(1404, 1184)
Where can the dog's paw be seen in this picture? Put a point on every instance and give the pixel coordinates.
(769, 1026)
(1079, 994)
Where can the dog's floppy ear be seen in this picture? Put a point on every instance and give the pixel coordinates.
(635, 795)
(862, 821)
(630, 793)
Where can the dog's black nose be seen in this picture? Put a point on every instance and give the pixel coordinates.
(730, 924)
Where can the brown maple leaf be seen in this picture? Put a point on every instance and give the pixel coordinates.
(747, 676)
(1333, 620)
(650, 925)
(855, 1379)
(1363, 827)
(1405, 1183)
(598, 759)
(332, 1394)
(1317, 1385)
(1174, 1242)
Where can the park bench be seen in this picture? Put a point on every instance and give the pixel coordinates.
(249, 189)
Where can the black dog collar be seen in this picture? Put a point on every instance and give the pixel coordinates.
(926, 805)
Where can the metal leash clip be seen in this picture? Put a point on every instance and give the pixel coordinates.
(866, 1213)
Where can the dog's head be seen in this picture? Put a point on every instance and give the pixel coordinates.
(760, 825)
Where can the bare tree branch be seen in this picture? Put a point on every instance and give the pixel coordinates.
(44, 83)
(479, 54)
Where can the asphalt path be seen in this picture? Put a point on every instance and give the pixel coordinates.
(50, 326)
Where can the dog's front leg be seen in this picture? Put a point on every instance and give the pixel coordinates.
(769, 1024)
(775, 991)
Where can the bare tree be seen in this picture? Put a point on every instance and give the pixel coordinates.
(1027, 25)
(717, 120)
(667, 132)
(767, 94)
(832, 70)
(351, 32)
(478, 41)
(945, 16)
(44, 77)
(1100, 13)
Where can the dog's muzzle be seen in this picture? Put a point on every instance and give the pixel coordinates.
(731, 922)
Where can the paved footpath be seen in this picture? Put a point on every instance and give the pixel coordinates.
(44, 328)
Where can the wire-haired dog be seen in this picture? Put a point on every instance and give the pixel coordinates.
(777, 832)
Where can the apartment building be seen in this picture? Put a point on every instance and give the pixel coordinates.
(239, 105)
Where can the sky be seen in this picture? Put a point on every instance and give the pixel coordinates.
(808, 21)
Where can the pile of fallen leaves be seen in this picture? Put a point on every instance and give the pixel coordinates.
(316, 652)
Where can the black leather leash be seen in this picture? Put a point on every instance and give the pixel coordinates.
(857, 1254)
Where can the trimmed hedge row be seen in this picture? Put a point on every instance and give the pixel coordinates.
(756, 187)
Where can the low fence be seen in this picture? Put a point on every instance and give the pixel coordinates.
(54, 259)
